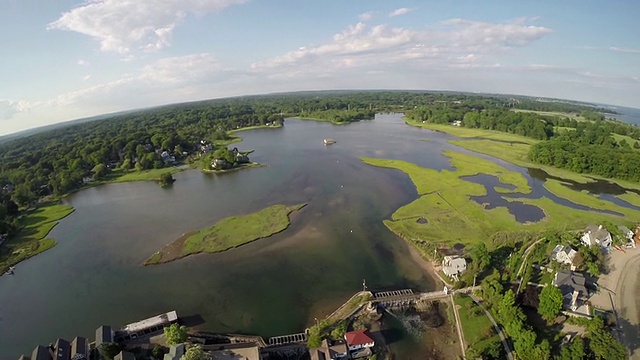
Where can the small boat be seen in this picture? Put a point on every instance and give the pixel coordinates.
(329, 141)
(10, 271)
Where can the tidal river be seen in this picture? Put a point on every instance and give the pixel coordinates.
(269, 287)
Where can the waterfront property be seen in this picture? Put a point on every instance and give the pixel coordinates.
(573, 288)
(175, 352)
(359, 339)
(80, 348)
(329, 350)
(239, 351)
(563, 254)
(453, 266)
(596, 235)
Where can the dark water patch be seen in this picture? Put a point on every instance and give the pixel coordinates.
(596, 186)
(522, 212)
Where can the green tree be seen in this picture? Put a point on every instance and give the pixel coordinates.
(157, 352)
(480, 256)
(99, 171)
(109, 350)
(636, 145)
(602, 344)
(175, 334)
(195, 352)
(315, 340)
(550, 302)
(166, 179)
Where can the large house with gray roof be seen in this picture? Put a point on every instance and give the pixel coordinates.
(573, 288)
(596, 235)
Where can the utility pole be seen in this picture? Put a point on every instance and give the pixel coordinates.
(474, 280)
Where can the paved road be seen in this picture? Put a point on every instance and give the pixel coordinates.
(626, 298)
(503, 338)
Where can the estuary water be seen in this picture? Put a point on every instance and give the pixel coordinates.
(270, 287)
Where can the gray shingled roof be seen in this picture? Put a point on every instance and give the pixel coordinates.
(597, 233)
(569, 281)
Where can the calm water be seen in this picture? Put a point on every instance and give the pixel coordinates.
(269, 287)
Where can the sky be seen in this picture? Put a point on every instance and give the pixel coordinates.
(61, 60)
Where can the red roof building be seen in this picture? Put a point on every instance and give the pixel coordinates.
(359, 339)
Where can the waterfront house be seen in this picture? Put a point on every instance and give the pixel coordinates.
(79, 348)
(329, 350)
(626, 233)
(41, 353)
(237, 351)
(175, 352)
(563, 254)
(572, 286)
(596, 235)
(124, 355)
(454, 265)
(359, 339)
(104, 334)
(62, 350)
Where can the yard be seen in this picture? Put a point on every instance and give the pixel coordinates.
(31, 240)
(478, 330)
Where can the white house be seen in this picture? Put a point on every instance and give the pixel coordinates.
(358, 339)
(453, 265)
(596, 235)
(563, 254)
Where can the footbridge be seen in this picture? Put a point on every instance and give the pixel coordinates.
(407, 297)
(287, 339)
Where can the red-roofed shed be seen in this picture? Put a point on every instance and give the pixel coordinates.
(359, 339)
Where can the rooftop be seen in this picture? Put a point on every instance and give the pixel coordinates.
(161, 319)
(569, 281)
(358, 337)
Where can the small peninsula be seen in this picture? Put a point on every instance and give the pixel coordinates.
(228, 233)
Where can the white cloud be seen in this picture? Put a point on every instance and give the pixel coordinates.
(123, 26)
(83, 62)
(625, 50)
(448, 45)
(167, 74)
(9, 108)
(366, 16)
(400, 11)
(86, 77)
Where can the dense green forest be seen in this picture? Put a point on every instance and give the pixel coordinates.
(65, 159)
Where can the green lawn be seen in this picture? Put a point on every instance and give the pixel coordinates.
(31, 240)
(228, 233)
(144, 175)
(628, 139)
(571, 116)
(630, 197)
(253, 128)
(477, 328)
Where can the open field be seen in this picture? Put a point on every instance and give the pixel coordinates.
(512, 148)
(478, 330)
(254, 127)
(470, 133)
(228, 233)
(563, 115)
(144, 175)
(453, 218)
(626, 138)
(31, 240)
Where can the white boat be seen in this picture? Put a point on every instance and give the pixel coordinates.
(329, 141)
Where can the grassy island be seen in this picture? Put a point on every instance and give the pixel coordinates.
(31, 239)
(444, 214)
(228, 233)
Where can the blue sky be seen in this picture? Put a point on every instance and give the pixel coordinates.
(64, 59)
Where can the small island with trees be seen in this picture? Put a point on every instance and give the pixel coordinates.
(228, 233)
